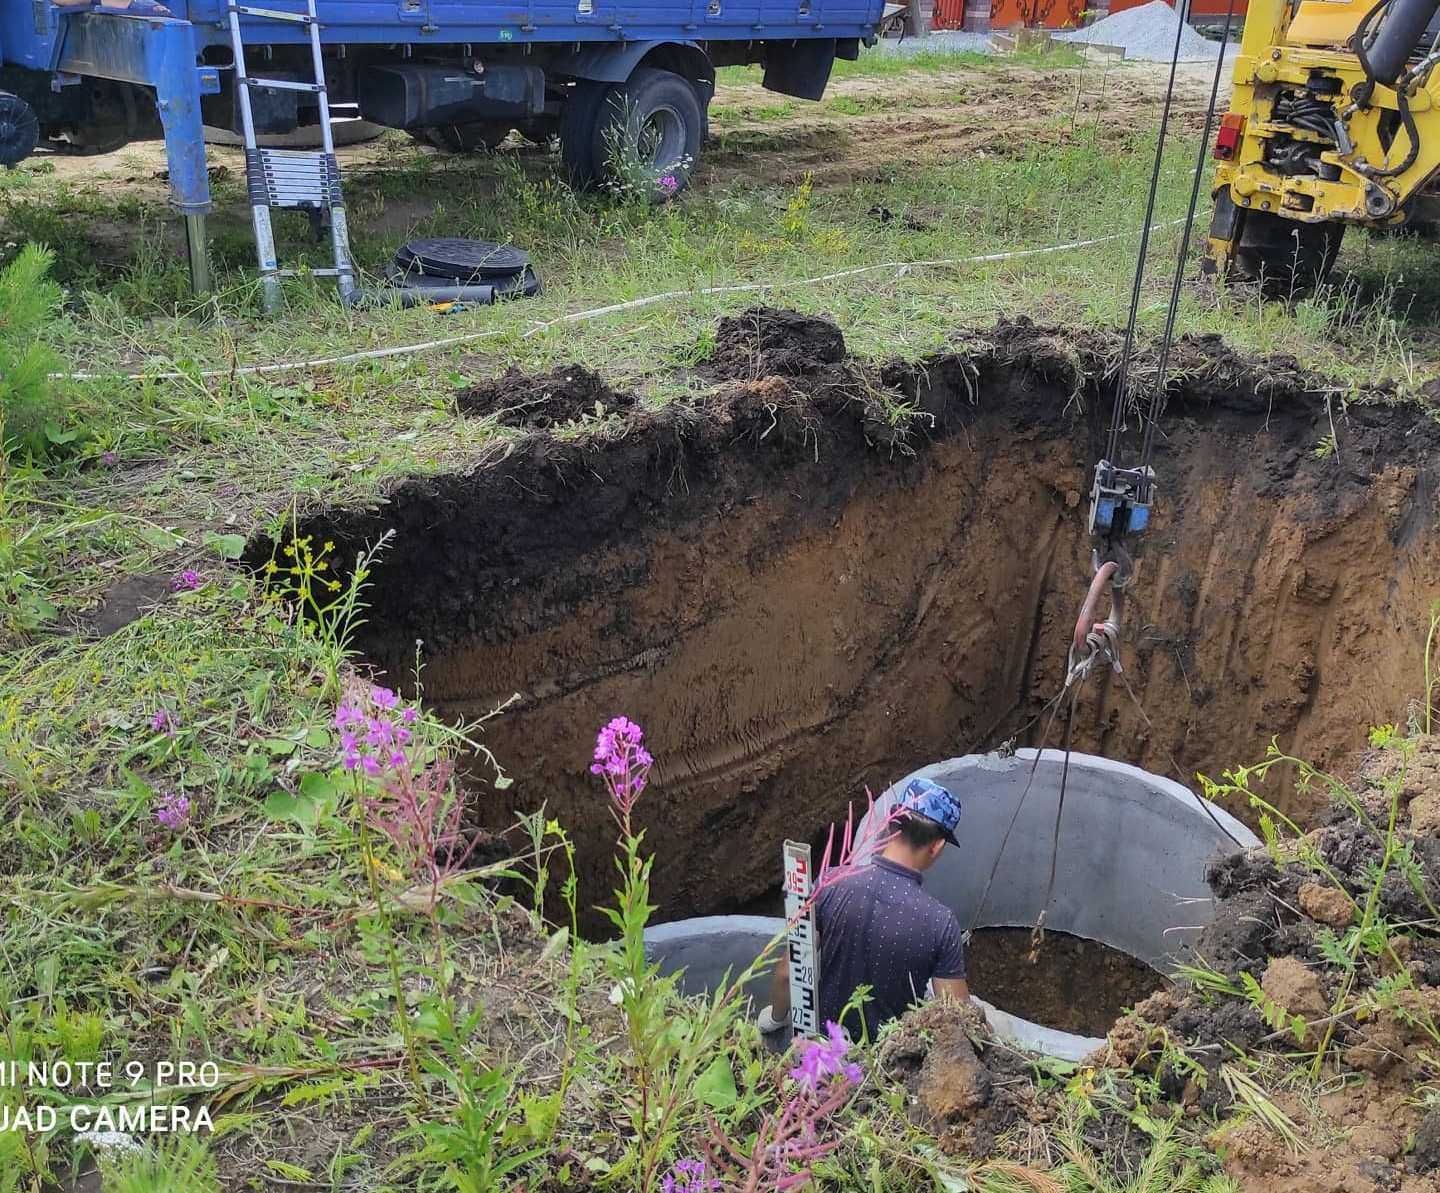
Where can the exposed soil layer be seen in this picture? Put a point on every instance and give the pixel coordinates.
(813, 582)
(1073, 985)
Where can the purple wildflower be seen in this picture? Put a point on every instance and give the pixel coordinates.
(622, 760)
(688, 1176)
(186, 581)
(164, 721)
(822, 1059)
(109, 459)
(373, 732)
(348, 714)
(172, 810)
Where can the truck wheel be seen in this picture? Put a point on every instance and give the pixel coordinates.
(19, 129)
(463, 138)
(1286, 258)
(577, 133)
(649, 132)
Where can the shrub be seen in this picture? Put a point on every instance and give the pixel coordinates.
(31, 418)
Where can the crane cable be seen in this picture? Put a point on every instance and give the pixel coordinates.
(1157, 398)
(1080, 669)
(1122, 382)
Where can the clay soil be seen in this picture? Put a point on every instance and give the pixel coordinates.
(1072, 984)
(825, 574)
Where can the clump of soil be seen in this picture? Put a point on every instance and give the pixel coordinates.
(964, 1089)
(766, 342)
(569, 394)
(1073, 984)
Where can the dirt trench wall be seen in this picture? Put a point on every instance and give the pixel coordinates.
(798, 605)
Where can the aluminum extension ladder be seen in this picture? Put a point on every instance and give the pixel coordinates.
(300, 179)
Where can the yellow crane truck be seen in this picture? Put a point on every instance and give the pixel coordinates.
(1334, 119)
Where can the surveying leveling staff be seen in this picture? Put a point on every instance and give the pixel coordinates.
(878, 928)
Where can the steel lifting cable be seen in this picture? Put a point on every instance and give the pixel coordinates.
(1117, 413)
(1037, 935)
(1175, 765)
(1053, 708)
(1100, 640)
(1157, 398)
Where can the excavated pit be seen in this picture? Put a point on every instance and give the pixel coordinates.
(825, 575)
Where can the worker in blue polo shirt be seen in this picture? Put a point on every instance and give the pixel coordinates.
(877, 927)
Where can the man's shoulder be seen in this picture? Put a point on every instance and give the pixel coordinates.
(937, 911)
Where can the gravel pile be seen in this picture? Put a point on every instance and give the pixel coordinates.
(1147, 32)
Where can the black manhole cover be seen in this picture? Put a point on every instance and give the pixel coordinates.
(453, 257)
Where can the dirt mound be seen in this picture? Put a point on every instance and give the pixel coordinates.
(569, 394)
(766, 342)
(963, 1088)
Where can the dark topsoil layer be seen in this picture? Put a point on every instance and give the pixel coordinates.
(793, 396)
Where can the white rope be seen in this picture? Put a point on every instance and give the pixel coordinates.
(900, 268)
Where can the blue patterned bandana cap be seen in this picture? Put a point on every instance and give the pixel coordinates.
(932, 801)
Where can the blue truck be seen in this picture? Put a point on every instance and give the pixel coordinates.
(457, 73)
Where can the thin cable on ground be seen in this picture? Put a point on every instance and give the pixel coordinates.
(321, 362)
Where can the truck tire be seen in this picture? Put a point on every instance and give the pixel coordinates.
(657, 115)
(19, 129)
(577, 133)
(1285, 258)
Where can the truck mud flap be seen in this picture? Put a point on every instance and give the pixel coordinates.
(799, 68)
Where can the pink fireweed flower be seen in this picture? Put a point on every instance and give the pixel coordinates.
(688, 1176)
(347, 715)
(669, 184)
(186, 581)
(823, 1059)
(373, 732)
(164, 721)
(172, 810)
(622, 760)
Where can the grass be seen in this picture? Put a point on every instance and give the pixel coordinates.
(114, 935)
